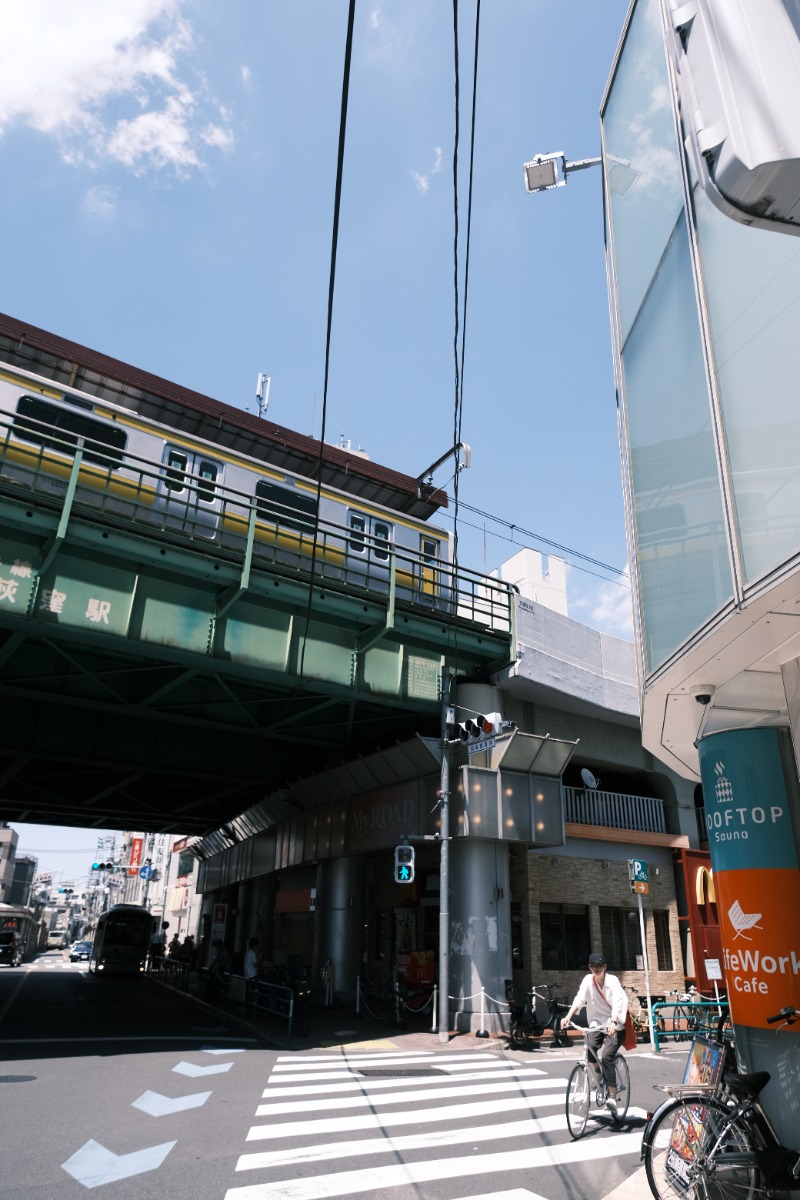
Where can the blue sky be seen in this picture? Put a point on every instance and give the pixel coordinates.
(169, 171)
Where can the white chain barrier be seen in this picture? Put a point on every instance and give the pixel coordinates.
(398, 1003)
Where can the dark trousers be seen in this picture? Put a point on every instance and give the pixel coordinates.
(603, 1049)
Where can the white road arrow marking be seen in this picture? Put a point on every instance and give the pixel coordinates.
(94, 1165)
(157, 1105)
(194, 1072)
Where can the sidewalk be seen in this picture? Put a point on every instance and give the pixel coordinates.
(338, 1026)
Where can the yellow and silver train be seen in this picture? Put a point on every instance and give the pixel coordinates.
(134, 469)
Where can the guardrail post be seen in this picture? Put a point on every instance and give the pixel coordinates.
(482, 1031)
(434, 1009)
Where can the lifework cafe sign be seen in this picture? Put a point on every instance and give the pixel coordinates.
(379, 819)
(756, 878)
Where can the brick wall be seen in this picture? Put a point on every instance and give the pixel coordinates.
(539, 878)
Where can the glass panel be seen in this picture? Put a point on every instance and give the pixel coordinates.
(382, 533)
(683, 564)
(565, 936)
(289, 508)
(663, 940)
(643, 171)
(621, 938)
(207, 473)
(357, 526)
(752, 280)
(176, 465)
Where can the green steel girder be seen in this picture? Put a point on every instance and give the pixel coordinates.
(182, 684)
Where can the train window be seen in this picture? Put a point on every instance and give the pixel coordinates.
(207, 474)
(176, 471)
(429, 548)
(358, 525)
(56, 428)
(286, 507)
(382, 533)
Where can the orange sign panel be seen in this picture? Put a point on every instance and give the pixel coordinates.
(761, 935)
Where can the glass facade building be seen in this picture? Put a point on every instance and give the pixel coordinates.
(707, 353)
(706, 348)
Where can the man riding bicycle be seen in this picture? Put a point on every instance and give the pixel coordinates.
(606, 1008)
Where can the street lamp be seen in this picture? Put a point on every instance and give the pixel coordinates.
(547, 171)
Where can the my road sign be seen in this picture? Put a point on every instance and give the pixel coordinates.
(642, 887)
(637, 870)
(145, 872)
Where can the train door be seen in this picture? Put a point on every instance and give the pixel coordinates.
(189, 490)
(429, 558)
(369, 540)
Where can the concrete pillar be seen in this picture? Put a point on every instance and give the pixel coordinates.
(480, 932)
(750, 790)
(340, 923)
(472, 698)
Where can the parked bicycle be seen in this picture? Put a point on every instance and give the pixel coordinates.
(640, 1014)
(684, 1020)
(585, 1080)
(719, 1145)
(525, 1023)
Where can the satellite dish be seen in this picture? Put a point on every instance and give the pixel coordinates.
(589, 779)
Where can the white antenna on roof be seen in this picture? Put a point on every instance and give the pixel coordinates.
(262, 392)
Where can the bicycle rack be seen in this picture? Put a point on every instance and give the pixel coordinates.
(699, 1008)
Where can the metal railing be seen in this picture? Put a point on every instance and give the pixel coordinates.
(141, 493)
(685, 1019)
(614, 810)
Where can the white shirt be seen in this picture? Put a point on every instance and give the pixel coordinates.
(604, 1003)
(250, 963)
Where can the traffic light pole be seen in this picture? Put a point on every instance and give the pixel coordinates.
(444, 872)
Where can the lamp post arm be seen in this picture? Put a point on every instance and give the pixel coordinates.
(581, 164)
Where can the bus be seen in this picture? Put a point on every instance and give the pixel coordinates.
(121, 939)
(21, 933)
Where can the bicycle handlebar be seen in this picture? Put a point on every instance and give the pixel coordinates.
(788, 1014)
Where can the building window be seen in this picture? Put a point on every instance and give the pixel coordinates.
(622, 943)
(565, 936)
(663, 940)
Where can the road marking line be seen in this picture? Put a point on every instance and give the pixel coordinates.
(364, 1100)
(430, 1140)
(368, 1084)
(371, 1179)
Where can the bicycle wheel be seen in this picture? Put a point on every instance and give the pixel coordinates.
(578, 1100)
(677, 1025)
(685, 1149)
(517, 1035)
(623, 1087)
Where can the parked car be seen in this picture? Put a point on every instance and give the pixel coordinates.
(81, 951)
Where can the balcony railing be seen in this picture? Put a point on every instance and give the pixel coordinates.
(614, 810)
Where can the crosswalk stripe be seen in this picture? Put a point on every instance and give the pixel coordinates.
(378, 1084)
(284, 1062)
(371, 1179)
(372, 1120)
(423, 1094)
(345, 1070)
(429, 1140)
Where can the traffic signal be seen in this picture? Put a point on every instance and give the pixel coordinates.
(404, 864)
(103, 866)
(481, 726)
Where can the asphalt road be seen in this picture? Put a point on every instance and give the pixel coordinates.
(133, 1090)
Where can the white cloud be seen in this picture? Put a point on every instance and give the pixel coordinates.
(104, 80)
(100, 201)
(606, 607)
(423, 181)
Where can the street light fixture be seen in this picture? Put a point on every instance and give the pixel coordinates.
(547, 171)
